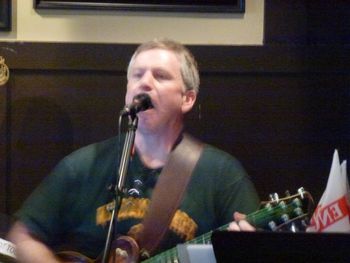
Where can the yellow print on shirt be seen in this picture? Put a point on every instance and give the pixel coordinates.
(136, 208)
(183, 225)
(130, 208)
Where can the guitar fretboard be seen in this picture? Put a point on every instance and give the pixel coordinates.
(284, 211)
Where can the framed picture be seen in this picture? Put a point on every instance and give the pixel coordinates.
(205, 6)
(5, 15)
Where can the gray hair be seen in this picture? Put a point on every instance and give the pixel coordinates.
(188, 64)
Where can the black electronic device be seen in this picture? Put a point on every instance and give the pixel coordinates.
(284, 247)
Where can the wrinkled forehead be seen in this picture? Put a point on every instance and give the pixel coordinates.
(154, 56)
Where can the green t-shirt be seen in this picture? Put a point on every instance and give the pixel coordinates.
(67, 210)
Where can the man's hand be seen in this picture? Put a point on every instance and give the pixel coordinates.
(239, 223)
(29, 249)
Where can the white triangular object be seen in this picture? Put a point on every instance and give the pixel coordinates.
(332, 211)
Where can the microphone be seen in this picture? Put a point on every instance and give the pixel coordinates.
(140, 102)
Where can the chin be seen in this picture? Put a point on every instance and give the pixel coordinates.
(146, 125)
(146, 116)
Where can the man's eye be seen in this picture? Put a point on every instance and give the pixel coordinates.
(162, 76)
(136, 75)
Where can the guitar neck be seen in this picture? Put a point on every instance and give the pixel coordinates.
(269, 217)
(171, 255)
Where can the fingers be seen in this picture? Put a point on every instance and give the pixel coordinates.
(240, 224)
(233, 226)
(245, 226)
(238, 216)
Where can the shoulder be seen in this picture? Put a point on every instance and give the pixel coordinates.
(92, 155)
(94, 150)
(218, 166)
(217, 157)
(213, 158)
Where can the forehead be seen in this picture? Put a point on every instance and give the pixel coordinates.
(160, 58)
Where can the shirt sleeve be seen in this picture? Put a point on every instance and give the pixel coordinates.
(235, 192)
(43, 212)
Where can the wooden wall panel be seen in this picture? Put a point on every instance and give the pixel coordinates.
(3, 147)
(281, 110)
(54, 114)
(284, 128)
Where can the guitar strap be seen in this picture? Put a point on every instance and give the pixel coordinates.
(168, 193)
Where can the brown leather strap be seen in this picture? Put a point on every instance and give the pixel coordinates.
(169, 191)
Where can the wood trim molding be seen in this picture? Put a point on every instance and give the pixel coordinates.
(211, 59)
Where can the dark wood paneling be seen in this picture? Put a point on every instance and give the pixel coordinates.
(3, 148)
(54, 113)
(296, 22)
(281, 110)
(67, 56)
(212, 59)
(283, 128)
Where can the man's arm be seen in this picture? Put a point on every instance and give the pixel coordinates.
(29, 249)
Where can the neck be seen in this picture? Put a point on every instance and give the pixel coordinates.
(154, 148)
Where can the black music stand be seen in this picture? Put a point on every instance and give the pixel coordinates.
(282, 247)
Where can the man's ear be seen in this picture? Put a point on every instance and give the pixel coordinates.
(188, 99)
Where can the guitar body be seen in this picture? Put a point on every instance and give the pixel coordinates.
(124, 250)
(73, 257)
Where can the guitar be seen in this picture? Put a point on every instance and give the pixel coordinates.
(277, 214)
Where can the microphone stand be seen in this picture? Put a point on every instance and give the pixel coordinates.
(119, 189)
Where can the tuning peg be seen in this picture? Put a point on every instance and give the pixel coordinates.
(282, 205)
(274, 197)
(293, 228)
(272, 225)
(301, 192)
(298, 211)
(297, 202)
(285, 218)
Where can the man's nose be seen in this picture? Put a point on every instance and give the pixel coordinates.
(147, 81)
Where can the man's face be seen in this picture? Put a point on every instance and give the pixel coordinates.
(157, 73)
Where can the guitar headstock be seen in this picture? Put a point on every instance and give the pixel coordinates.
(290, 213)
